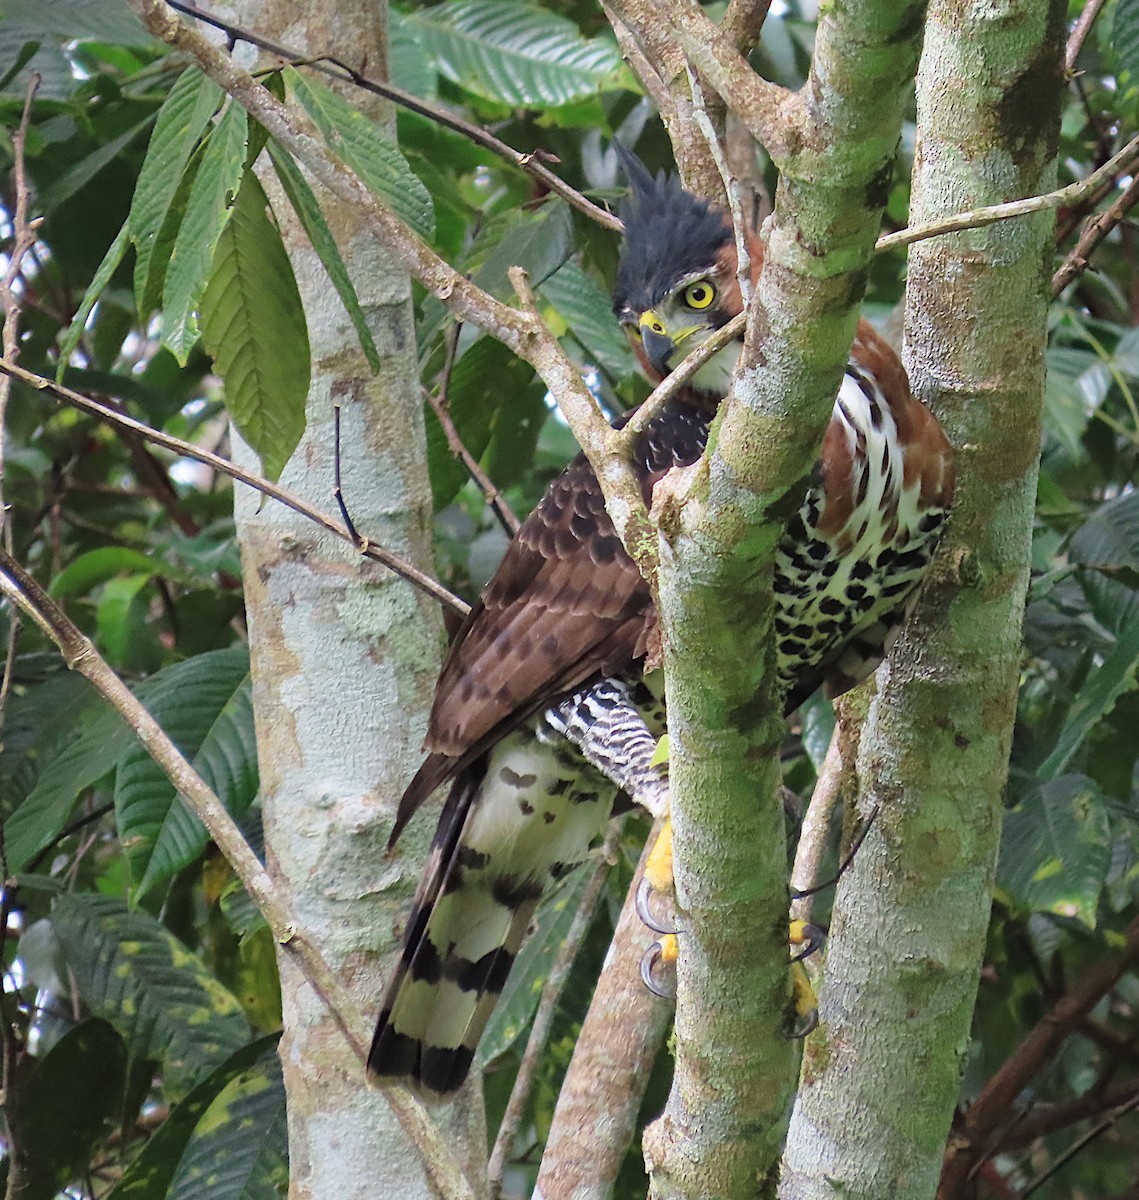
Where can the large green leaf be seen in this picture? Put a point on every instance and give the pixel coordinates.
(60, 1105)
(208, 211)
(1124, 37)
(115, 252)
(239, 1148)
(87, 759)
(588, 312)
(365, 148)
(1055, 849)
(515, 1010)
(1115, 675)
(149, 1175)
(182, 120)
(308, 210)
(1109, 539)
(514, 52)
(253, 325)
(81, 20)
(96, 566)
(205, 706)
(134, 973)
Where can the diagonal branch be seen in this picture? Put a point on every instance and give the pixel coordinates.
(224, 467)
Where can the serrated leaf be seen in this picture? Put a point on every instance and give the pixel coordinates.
(208, 211)
(239, 1147)
(149, 1175)
(588, 312)
(308, 210)
(253, 326)
(95, 288)
(205, 706)
(409, 64)
(513, 52)
(134, 973)
(515, 1009)
(59, 1106)
(1055, 849)
(1115, 675)
(182, 120)
(365, 148)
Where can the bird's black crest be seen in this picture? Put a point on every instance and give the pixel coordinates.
(669, 233)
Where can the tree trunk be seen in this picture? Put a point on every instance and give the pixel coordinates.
(344, 661)
(882, 1075)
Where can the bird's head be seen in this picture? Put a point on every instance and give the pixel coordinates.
(676, 283)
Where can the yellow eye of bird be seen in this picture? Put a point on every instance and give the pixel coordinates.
(699, 295)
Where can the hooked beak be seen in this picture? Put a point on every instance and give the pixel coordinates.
(658, 346)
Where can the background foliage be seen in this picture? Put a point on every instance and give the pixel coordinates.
(159, 284)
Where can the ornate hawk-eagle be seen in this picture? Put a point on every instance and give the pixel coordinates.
(542, 715)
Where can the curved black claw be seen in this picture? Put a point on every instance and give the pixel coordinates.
(844, 866)
(812, 940)
(805, 1025)
(649, 960)
(642, 903)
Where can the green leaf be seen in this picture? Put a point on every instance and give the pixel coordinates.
(365, 148)
(87, 168)
(513, 52)
(86, 760)
(135, 974)
(122, 630)
(205, 706)
(588, 311)
(1077, 384)
(308, 210)
(239, 1148)
(515, 1009)
(95, 288)
(182, 120)
(253, 326)
(1114, 676)
(409, 64)
(60, 1105)
(81, 20)
(1055, 849)
(1124, 37)
(208, 211)
(149, 1175)
(1109, 540)
(96, 566)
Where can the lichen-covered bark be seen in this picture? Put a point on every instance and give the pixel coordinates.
(882, 1075)
(344, 660)
(723, 1128)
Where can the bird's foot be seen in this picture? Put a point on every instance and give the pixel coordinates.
(810, 938)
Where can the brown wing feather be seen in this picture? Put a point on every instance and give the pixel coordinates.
(566, 605)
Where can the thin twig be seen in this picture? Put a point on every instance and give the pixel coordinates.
(441, 407)
(989, 215)
(1101, 1127)
(547, 1008)
(973, 1131)
(731, 185)
(336, 68)
(1094, 233)
(365, 546)
(814, 834)
(80, 654)
(676, 379)
(1079, 33)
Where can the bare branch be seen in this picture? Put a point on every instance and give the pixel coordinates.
(742, 24)
(1096, 230)
(596, 1114)
(989, 215)
(815, 830)
(1079, 33)
(188, 450)
(547, 1007)
(973, 1131)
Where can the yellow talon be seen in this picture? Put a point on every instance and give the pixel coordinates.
(806, 1002)
(658, 868)
(669, 950)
